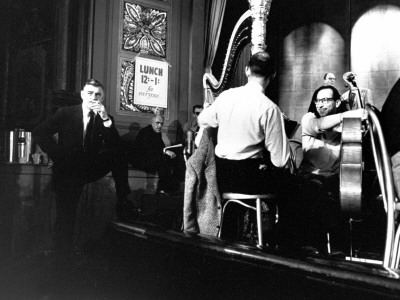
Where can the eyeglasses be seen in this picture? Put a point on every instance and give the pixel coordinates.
(197, 113)
(323, 100)
(331, 78)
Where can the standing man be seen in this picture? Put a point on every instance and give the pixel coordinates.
(352, 96)
(148, 154)
(193, 124)
(86, 150)
(329, 79)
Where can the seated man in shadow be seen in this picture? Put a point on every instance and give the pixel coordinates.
(148, 153)
(319, 171)
(88, 148)
(193, 124)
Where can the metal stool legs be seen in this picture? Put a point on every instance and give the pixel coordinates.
(259, 223)
(235, 197)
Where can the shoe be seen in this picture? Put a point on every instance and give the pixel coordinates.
(163, 193)
(126, 210)
(336, 253)
(310, 250)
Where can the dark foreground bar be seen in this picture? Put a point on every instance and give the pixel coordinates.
(168, 264)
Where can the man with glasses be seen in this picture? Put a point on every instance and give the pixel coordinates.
(321, 139)
(193, 124)
(329, 79)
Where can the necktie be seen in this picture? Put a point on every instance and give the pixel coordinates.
(89, 133)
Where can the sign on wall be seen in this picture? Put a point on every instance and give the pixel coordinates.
(151, 82)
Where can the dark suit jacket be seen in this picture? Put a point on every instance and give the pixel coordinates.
(68, 123)
(146, 153)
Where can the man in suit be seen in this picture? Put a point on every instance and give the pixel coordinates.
(87, 149)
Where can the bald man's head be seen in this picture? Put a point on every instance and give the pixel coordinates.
(157, 123)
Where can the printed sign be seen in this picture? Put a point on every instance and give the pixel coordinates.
(151, 82)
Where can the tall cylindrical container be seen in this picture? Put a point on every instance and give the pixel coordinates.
(28, 138)
(11, 146)
(21, 146)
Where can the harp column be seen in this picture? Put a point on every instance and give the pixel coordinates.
(259, 13)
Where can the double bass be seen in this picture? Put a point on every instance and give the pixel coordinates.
(351, 167)
(351, 163)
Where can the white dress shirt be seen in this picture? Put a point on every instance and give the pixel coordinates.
(247, 122)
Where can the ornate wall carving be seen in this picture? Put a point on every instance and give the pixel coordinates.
(144, 31)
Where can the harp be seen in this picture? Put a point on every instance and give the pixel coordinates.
(240, 38)
(248, 37)
(250, 30)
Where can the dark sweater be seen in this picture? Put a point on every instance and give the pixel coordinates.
(147, 150)
(390, 119)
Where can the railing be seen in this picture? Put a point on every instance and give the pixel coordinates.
(385, 176)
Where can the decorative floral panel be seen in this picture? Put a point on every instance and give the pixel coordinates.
(144, 30)
(127, 90)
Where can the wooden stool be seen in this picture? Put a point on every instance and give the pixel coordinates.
(235, 197)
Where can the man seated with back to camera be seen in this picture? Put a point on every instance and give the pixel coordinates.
(319, 170)
(147, 154)
(248, 124)
(88, 148)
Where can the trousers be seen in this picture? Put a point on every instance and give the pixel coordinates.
(69, 178)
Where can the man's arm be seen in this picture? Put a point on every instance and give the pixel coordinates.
(313, 125)
(110, 133)
(43, 135)
(276, 141)
(208, 117)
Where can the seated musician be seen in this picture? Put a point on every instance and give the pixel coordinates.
(248, 123)
(321, 138)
